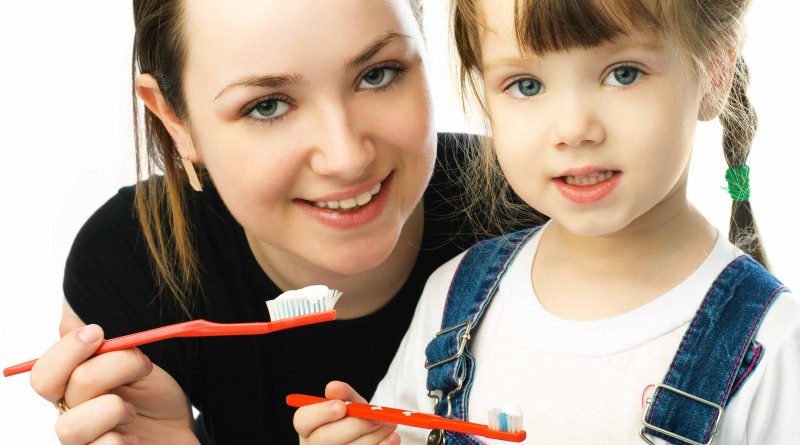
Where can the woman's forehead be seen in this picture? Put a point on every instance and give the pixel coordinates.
(287, 36)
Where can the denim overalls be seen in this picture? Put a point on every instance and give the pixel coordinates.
(686, 408)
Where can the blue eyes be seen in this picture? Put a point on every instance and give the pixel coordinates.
(527, 87)
(621, 76)
(378, 77)
(270, 109)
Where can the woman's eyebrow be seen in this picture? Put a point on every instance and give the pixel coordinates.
(282, 80)
(264, 81)
(373, 48)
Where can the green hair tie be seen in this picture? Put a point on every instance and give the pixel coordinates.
(738, 183)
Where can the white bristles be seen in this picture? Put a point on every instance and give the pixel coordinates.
(508, 419)
(308, 300)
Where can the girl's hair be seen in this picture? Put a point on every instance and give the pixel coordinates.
(161, 49)
(711, 32)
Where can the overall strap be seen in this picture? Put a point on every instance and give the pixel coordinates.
(717, 354)
(449, 363)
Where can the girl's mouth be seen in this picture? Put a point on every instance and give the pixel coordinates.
(588, 179)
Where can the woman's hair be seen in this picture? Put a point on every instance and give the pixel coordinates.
(711, 33)
(161, 49)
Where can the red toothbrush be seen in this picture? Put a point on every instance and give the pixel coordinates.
(411, 418)
(313, 304)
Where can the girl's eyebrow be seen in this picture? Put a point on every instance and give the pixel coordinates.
(606, 49)
(282, 80)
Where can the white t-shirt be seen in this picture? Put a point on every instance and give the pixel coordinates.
(583, 382)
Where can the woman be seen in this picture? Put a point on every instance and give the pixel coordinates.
(313, 146)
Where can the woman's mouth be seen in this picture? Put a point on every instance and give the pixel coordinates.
(348, 204)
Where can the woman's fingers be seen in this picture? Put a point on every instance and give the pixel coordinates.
(90, 421)
(105, 373)
(68, 324)
(52, 371)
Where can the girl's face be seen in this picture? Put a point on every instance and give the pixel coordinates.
(313, 119)
(595, 138)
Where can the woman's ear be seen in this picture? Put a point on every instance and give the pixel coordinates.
(148, 90)
(720, 70)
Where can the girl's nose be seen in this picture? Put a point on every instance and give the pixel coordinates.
(342, 149)
(577, 123)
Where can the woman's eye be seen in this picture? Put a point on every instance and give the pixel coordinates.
(377, 78)
(523, 88)
(269, 109)
(623, 76)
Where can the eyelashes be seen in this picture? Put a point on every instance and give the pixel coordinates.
(271, 109)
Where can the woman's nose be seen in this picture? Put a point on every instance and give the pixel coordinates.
(343, 149)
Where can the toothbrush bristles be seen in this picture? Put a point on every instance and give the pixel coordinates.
(310, 300)
(509, 421)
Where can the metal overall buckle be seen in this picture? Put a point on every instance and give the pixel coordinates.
(437, 437)
(646, 424)
(462, 345)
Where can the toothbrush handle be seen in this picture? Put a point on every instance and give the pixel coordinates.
(193, 328)
(411, 418)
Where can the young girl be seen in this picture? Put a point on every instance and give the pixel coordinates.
(593, 107)
(282, 144)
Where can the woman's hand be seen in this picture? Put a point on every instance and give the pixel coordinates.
(114, 398)
(326, 423)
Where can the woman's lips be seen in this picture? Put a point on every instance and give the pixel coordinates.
(587, 187)
(357, 209)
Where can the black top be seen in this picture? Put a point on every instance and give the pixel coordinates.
(239, 384)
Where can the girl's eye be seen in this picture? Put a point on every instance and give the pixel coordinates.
(269, 109)
(523, 88)
(623, 76)
(377, 78)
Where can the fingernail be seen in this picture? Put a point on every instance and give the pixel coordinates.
(130, 439)
(90, 334)
(130, 413)
(338, 408)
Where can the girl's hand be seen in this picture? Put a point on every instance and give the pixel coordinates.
(114, 398)
(325, 423)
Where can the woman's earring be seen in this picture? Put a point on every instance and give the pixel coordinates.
(188, 167)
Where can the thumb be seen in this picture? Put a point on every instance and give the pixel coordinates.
(68, 324)
(342, 391)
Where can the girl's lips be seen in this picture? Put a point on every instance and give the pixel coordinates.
(589, 186)
(351, 218)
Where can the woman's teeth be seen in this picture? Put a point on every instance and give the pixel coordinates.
(349, 203)
(590, 179)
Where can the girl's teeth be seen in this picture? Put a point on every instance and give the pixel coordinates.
(590, 179)
(349, 203)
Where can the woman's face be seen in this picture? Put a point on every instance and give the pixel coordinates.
(313, 119)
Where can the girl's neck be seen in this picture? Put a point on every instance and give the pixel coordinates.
(587, 278)
(364, 292)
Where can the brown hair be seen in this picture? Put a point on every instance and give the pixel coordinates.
(160, 48)
(710, 31)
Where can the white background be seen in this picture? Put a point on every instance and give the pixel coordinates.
(66, 147)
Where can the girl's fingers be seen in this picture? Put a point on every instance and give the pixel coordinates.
(384, 435)
(310, 418)
(89, 421)
(52, 371)
(105, 373)
(342, 391)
